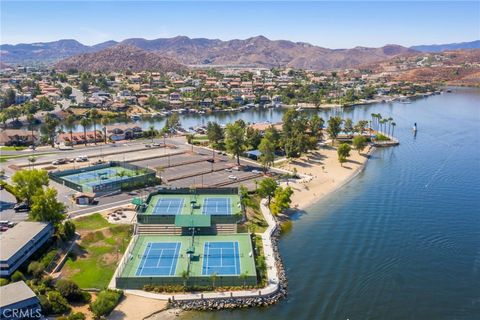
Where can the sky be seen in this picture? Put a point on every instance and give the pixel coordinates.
(339, 24)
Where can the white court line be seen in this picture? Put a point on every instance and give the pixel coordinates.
(145, 257)
(174, 259)
(160, 257)
(235, 245)
(205, 247)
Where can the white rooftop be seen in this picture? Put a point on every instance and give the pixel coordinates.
(17, 237)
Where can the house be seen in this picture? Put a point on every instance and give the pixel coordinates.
(17, 137)
(20, 242)
(79, 137)
(18, 301)
(124, 132)
(22, 98)
(174, 96)
(253, 154)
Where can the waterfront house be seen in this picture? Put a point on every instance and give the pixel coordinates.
(17, 137)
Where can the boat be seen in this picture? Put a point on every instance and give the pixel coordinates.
(135, 117)
(415, 127)
(299, 109)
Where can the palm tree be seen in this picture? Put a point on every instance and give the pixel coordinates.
(213, 277)
(151, 132)
(69, 124)
(389, 124)
(94, 116)
(393, 127)
(32, 160)
(105, 121)
(85, 122)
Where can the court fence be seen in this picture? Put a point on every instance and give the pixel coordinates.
(170, 219)
(142, 177)
(193, 281)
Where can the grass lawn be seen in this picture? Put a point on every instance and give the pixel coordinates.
(10, 148)
(95, 258)
(5, 158)
(92, 222)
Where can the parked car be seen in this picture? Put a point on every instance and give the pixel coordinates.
(3, 229)
(99, 161)
(4, 223)
(256, 171)
(156, 144)
(232, 177)
(59, 161)
(148, 146)
(21, 207)
(81, 159)
(228, 170)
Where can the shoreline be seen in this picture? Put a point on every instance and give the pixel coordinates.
(323, 175)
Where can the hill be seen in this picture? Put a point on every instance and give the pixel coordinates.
(256, 51)
(120, 57)
(448, 46)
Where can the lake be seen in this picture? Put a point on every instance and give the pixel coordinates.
(401, 240)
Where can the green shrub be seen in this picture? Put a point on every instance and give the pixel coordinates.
(36, 268)
(46, 259)
(381, 137)
(45, 304)
(4, 281)
(70, 291)
(106, 301)
(67, 230)
(59, 304)
(17, 276)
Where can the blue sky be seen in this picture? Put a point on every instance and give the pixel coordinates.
(338, 24)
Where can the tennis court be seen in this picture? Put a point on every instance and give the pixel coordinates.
(222, 258)
(168, 206)
(99, 176)
(217, 206)
(159, 259)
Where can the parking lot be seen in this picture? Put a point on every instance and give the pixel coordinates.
(179, 165)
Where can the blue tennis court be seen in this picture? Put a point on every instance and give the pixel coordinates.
(217, 206)
(159, 259)
(168, 206)
(221, 258)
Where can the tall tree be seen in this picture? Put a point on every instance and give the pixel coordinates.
(334, 127)
(215, 134)
(27, 183)
(316, 124)
(94, 117)
(267, 150)
(359, 143)
(235, 139)
(281, 200)
(85, 122)
(266, 188)
(172, 124)
(49, 128)
(343, 153)
(69, 125)
(348, 126)
(46, 208)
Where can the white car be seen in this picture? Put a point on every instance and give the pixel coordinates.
(256, 171)
(228, 170)
(232, 177)
(81, 159)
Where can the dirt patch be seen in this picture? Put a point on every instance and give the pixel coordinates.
(136, 308)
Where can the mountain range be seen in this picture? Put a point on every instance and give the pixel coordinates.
(448, 46)
(256, 51)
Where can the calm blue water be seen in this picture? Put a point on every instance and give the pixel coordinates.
(402, 240)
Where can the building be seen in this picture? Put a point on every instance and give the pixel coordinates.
(17, 137)
(20, 242)
(18, 301)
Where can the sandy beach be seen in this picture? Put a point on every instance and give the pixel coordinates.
(136, 307)
(327, 175)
